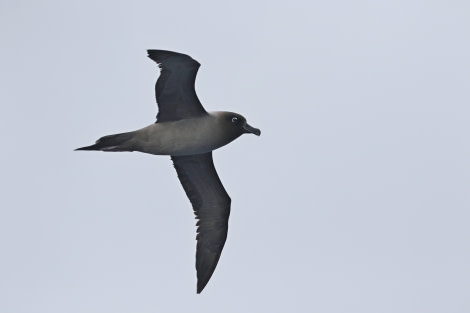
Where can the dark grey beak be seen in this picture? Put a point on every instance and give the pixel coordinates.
(249, 129)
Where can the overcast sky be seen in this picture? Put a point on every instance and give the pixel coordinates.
(356, 197)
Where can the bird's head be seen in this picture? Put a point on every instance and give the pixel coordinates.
(237, 123)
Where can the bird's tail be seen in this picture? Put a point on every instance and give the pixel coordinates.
(117, 142)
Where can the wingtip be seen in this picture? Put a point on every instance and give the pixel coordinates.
(161, 55)
(151, 53)
(206, 263)
(200, 286)
(158, 56)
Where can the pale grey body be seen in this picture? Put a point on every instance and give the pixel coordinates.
(184, 137)
(188, 133)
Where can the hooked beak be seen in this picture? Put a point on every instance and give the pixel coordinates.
(249, 129)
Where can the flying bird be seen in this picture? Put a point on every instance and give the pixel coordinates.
(188, 133)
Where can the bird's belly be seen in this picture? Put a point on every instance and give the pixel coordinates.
(178, 138)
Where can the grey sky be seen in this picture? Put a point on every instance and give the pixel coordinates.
(354, 199)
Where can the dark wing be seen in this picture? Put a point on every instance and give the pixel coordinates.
(175, 93)
(211, 204)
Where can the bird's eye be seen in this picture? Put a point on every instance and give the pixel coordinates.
(234, 119)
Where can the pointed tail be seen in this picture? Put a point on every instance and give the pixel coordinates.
(118, 142)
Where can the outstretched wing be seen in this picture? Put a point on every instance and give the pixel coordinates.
(211, 204)
(174, 90)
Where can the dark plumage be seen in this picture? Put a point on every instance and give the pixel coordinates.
(189, 134)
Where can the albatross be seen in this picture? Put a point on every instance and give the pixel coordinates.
(188, 133)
